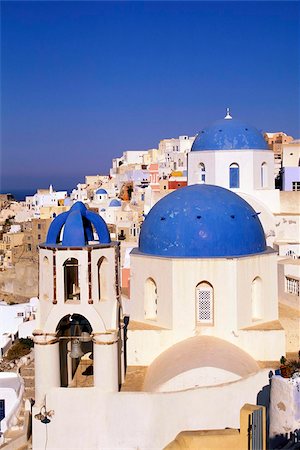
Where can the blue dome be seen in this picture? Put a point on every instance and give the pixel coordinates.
(78, 229)
(229, 134)
(202, 221)
(101, 191)
(115, 203)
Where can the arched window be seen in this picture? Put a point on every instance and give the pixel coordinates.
(71, 278)
(204, 303)
(150, 299)
(202, 172)
(45, 275)
(263, 175)
(234, 176)
(256, 299)
(102, 265)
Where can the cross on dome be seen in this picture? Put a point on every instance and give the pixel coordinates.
(228, 116)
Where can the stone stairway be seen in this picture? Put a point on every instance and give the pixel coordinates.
(27, 373)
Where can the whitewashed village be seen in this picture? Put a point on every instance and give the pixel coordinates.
(157, 306)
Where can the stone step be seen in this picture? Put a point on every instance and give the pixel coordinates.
(26, 370)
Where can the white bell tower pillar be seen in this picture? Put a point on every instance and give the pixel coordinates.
(47, 370)
(106, 370)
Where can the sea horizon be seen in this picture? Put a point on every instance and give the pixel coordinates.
(20, 194)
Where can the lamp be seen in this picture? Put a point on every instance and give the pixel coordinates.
(44, 416)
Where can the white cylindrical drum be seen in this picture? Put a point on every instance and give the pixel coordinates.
(47, 368)
(106, 367)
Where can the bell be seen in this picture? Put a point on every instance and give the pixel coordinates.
(85, 337)
(76, 351)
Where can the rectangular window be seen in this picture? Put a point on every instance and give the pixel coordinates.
(39, 236)
(296, 185)
(39, 226)
(204, 303)
(292, 286)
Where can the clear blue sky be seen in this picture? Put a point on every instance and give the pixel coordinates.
(84, 81)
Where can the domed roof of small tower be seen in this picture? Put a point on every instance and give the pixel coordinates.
(101, 191)
(114, 203)
(202, 221)
(74, 228)
(229, 134)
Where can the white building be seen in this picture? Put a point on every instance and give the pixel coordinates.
(11, 391)
(81, 335)
(45, 197)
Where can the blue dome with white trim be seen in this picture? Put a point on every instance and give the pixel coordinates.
(101, 191)
(202, 221)
(229, 134)
(74, 228)
(114, 203)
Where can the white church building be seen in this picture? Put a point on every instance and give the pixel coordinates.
(203, 310)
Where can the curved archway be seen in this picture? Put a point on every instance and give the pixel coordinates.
(234, 175)
(150, 299)
(73, 332)
(204, 303)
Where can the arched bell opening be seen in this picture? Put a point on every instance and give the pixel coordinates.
(75, 351)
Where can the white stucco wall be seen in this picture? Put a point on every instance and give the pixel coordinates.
(217, 165)
(176, 301)
(137, 420)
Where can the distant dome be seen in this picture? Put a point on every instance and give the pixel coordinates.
(202, 221)
(101, 191)
(198, 361)
(115, 203)
(77, 228)
(229, 134)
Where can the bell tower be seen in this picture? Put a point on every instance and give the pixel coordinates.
(79, 313)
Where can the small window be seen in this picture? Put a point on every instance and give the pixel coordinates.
(292, 285)
(39, 226)
(20, 314)
(202, 172)
(39, 236)
(102, 265)
(71, 278)
(296, 185)
(234, 176)
(263, 175)
(204, 303)
(256, 299)
(150, 299)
